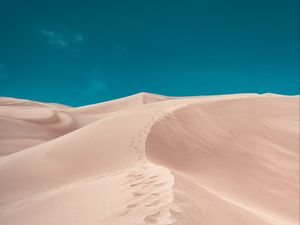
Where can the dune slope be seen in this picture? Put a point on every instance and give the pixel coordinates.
(151, 159)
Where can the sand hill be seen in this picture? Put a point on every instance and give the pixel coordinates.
(151, 159)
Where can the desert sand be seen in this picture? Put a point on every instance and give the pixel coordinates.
(151, 159)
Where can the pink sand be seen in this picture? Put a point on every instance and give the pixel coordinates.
(151, 159)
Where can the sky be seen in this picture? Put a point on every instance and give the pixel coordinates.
(84, 52)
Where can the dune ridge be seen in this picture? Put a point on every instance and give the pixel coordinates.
(151, 159)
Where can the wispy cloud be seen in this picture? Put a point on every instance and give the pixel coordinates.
(3, 72)
(61, 37)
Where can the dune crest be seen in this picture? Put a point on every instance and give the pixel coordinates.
(151, 159)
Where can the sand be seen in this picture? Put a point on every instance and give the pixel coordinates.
(151, 159)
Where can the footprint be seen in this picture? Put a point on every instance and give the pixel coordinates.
(134, 175)
(124, 213)
(150, 219)
(159, 185)
(153, 203)
(174, 212)
(136, 184)
(150, 197)
(138, 194)
(131, 206)
(139, 175)
(154, 194)
(150, 182)
(138, 178)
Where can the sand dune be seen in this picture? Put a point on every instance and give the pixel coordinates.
(151, 159)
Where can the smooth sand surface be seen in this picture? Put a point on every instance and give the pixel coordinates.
(151, 159)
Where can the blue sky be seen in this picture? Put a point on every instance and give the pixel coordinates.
(83, 52)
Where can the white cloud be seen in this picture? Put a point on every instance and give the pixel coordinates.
(62, 37)
(3, 72)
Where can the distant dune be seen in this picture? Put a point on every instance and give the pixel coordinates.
(151, 159)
